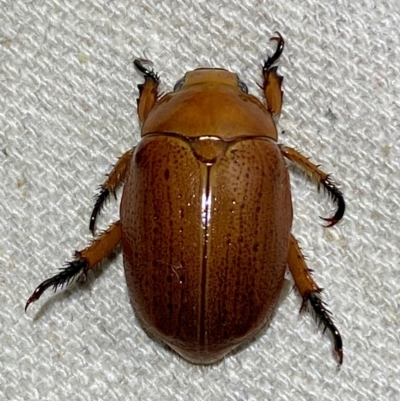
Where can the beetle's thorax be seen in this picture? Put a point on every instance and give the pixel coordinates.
(210, 102)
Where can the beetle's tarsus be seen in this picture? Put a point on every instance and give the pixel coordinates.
(148, 91)
(101, 199)
(274, 58)
(147, 72)
(114, 179)
(337, 197)
(71, 271)
(323, 316)
(322, 179)
(272, 84)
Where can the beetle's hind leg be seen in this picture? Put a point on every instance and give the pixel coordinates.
(311, 293)
(84, 261)
(322, 179)
(109, 187)
(148, 93)
(272, 80)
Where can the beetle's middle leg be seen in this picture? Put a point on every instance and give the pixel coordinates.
(113, 181)
(321, 178)
(147, 99)
(310, 292)
(84, 261)
(273, 81)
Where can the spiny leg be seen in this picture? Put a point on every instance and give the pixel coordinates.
(148, 94)
(310, 292)
(84, 261)
(321, 178)
(147, 99)
(114, 180)
(272, 81)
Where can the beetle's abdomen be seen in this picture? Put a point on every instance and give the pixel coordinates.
(205, 239)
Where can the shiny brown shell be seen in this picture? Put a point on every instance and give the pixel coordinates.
(206, 216)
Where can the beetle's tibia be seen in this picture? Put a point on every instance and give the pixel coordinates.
(322, 315)
(148, 93)
(71, 271)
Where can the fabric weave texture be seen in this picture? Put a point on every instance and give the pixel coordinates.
(68, 94)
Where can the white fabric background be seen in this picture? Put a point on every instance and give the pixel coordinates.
(68, 110)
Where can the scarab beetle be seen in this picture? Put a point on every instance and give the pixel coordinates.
(206, 214)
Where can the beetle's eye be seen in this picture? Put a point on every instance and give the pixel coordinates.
(243, 86)
(179, 84)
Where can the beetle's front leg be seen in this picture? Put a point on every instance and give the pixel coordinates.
(310, 292)
(113, 181)
(272, 81)
(84, 261)
(321, 178)
(148, 94)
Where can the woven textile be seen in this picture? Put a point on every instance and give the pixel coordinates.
(67, 111)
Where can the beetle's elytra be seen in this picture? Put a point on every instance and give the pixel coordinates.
(206, 214)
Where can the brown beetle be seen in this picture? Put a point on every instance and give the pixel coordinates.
(206, 214)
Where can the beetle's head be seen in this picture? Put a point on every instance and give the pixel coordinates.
(210, 76)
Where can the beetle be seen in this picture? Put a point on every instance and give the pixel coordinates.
(206, 214)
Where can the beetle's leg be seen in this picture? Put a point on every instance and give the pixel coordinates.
(83, 261)
(310, 292)
(321, 178)
(148, 91)
(113, 181)
(272, 80)
(146, 101)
